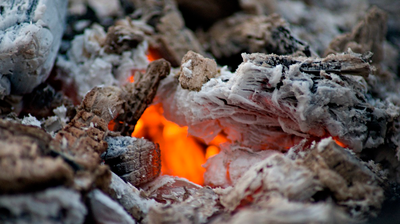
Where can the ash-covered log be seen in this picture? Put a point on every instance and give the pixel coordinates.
(272, 102)
(30, 35)
(312, 177)
(367, 35)
(138, 95)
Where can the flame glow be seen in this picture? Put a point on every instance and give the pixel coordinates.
(181, 154)
(341, 144)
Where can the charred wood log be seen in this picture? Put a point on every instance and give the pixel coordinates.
(228, 38)
(272, 102)
(139, 95)
(137, 161)
(321, 172)
(30, 35)
(26, 160)
(352, 184)
(367, 35)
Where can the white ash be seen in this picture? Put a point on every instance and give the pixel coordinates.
(52, 125)
(106, 8)
(30, 36)
(198, 206)
(130, 197)
(313, 97)
(31, 120)
(106, 210)
(88, 65)
(182, 201)
(275, 173)
(169, 189)
(61, 113)
(53, 205)
(227, 168)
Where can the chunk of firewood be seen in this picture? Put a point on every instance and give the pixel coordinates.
(172, 40)
(275, 173)
(196, 70)
(136, 160)
(86, 132)
(30, 36)
(139, 95)
(367, 35)
(272, 102)
(253, 34)
(123, 36)
(26, 161)
(227, 167)
(104, 58)
(316, 22)
(351, 183)
(169, 189)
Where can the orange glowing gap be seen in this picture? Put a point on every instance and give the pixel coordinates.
(181, 155)
(153, 54)
(341, 144)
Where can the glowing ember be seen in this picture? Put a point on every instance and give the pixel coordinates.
(341, 144)
(153, 54)
(181, 154)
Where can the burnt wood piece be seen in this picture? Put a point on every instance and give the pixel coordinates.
(350, 182)
(26, 163)
(327, 175)
(139, 95)
(341, 64)
(272, 102)
(83, 137)
(123, 36)
(136, 160)
(228, 38)
(367, 35)
(196, 70)
(32, 160)
(172, 40)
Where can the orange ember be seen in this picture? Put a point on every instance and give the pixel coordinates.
(181, 154)
(341, 144)
(153, 54)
